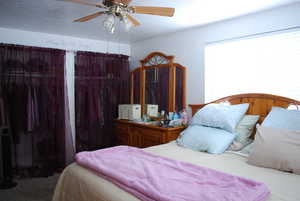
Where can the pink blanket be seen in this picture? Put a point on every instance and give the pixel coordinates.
(150, 177)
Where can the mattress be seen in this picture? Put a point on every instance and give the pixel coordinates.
(80, 184)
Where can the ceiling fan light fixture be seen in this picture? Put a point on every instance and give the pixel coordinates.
(109, 23)
(127, 24)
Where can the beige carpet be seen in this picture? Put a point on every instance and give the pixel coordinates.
(37, 189)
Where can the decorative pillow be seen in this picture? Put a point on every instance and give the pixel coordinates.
(276, 148)
(247, 149)
(244, 130)
(220, 116)
(201, 138)
(283, 118)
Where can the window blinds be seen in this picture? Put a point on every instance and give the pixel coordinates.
(266, 64)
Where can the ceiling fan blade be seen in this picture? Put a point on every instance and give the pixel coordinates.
(133, 20)
(89, 17)
(99, 5)
(162, 11)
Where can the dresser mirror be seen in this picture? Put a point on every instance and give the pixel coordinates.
(157, 87)
(180, 85)
(136, 86)
(159, 81)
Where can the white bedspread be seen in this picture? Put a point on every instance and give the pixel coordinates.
(79, 184)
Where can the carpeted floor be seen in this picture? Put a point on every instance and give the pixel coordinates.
(36, 189)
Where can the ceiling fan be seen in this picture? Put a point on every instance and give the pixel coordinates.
(120, 9)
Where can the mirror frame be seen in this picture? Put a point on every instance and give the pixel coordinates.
(158, 60)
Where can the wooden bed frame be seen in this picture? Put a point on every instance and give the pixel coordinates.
(260, 104)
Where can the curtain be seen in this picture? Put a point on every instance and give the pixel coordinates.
(101, 83)
(33, 98)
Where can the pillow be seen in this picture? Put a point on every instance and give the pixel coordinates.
(244, 130)
(220, 116)
(276, 148)
(247, 149)
(201, 138)
(283, 118)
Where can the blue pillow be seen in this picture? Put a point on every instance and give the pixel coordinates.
(220, 116)
(283, 118)
(201, 138)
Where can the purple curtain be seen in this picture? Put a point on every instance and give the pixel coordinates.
(157, 87)
(102, 82)
(32, 89)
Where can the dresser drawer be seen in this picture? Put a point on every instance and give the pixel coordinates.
(121, 128)
(173, 135)
(122, 134)
(139, 135)
(152, 137)
(123, 138)
(149, 142)
(151, 133)
(135, 139)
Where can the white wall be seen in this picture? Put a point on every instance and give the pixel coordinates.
(188, 46)
(37, 39)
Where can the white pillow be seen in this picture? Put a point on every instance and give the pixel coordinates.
(221, 116)
(276, 148)
(244, 130)
(247, 149)
(282, 118)
(203, 138)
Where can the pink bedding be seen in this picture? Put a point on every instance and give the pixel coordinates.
(150, 177)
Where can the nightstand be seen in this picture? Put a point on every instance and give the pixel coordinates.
(143, 135)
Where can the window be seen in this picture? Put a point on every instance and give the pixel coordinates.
(266, 64)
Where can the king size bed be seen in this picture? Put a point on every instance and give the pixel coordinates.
(78, 183)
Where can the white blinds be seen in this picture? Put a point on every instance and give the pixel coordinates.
(266, 64)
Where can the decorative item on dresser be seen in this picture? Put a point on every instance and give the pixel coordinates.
(129, 111)
(144, 135)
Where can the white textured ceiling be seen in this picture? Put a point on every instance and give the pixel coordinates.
(52, 16)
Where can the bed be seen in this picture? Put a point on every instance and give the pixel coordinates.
(80, 184)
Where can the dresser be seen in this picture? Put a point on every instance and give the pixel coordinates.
(143, 135)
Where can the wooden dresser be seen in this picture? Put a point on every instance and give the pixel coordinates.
(143, 135)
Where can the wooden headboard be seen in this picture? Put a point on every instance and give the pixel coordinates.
(260, 104)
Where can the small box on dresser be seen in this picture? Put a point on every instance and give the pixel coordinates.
(130, 111)
(152, 110)
(143, 135)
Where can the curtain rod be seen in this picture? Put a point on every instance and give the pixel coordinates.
(253, 35)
